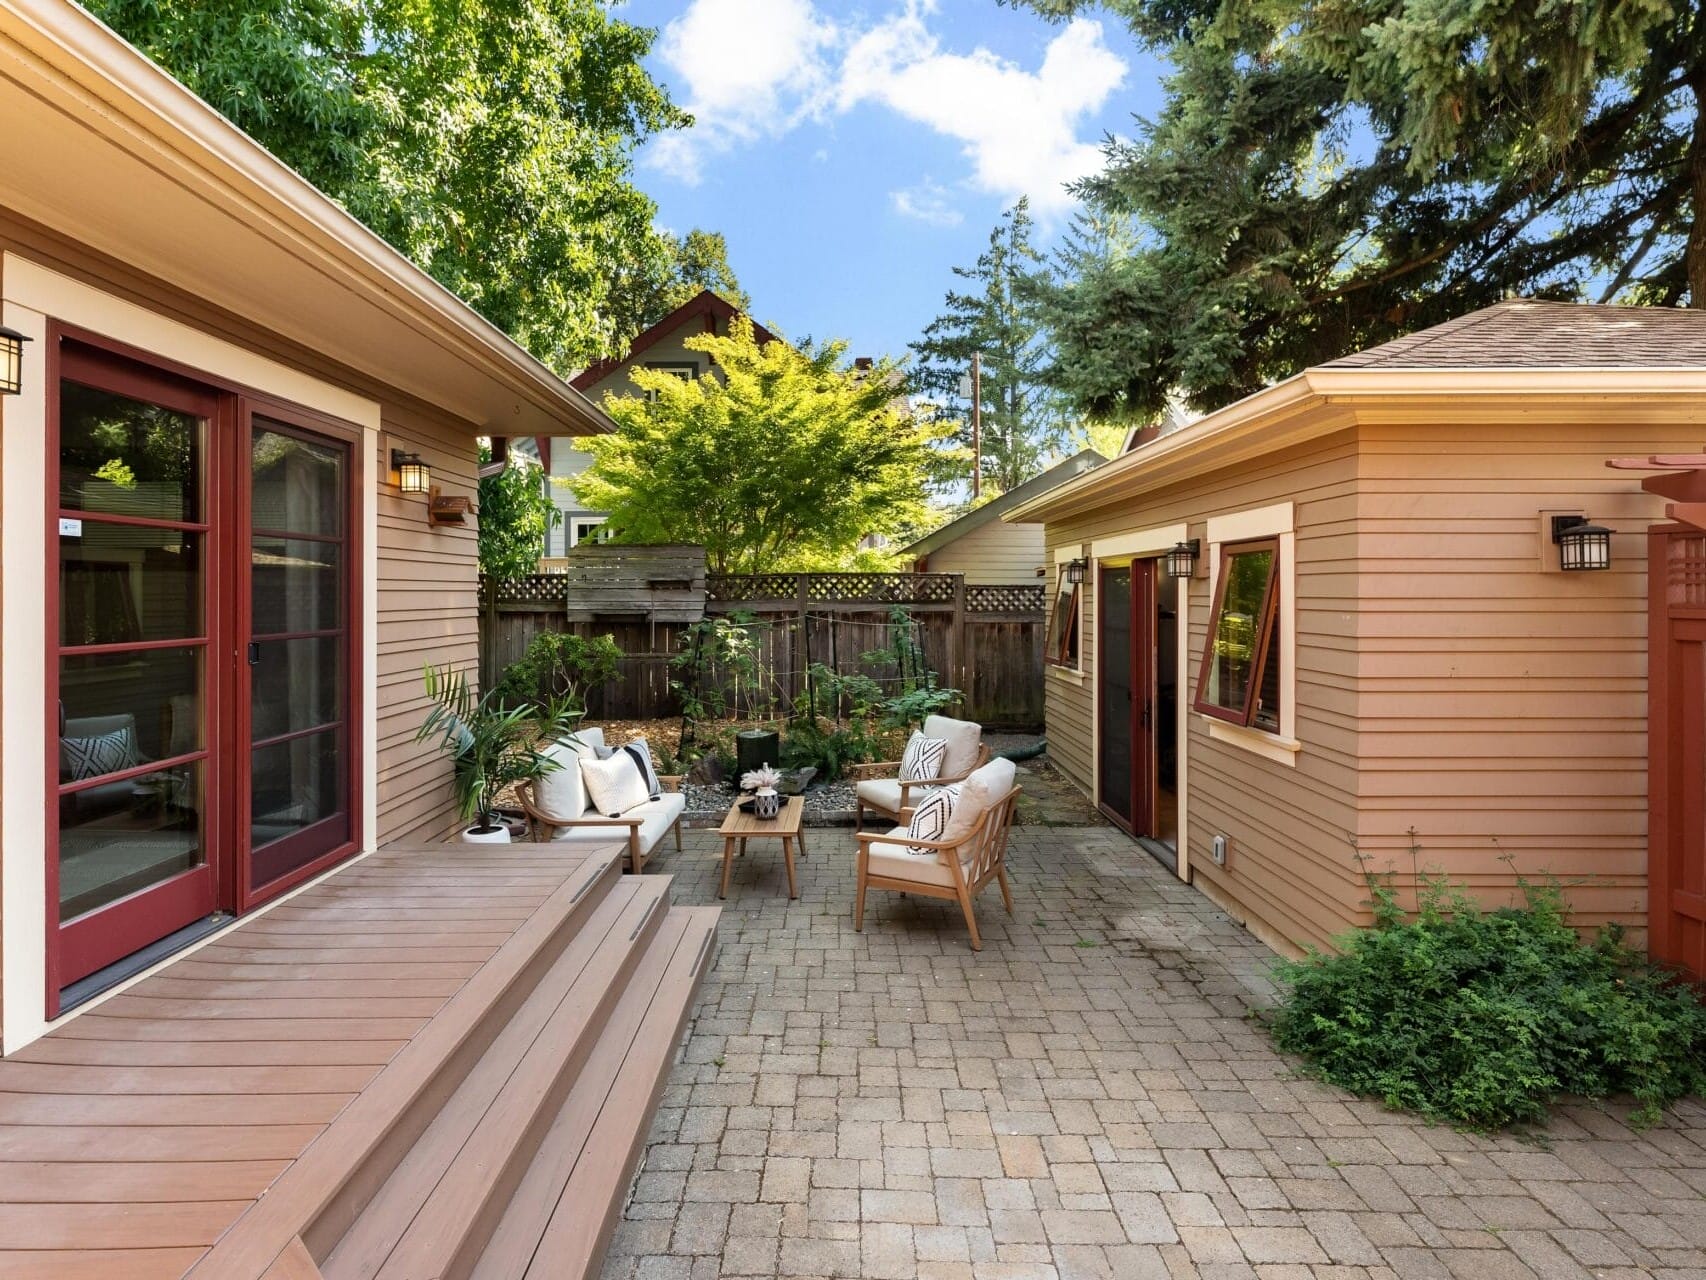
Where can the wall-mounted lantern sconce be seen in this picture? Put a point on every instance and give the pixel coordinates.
(413, 475)
(1181, 561)
(1581, 544)
(1075, 570)
(12, 360)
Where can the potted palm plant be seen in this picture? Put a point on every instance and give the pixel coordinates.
(491, 746)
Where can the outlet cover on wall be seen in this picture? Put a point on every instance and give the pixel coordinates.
(1217, 850)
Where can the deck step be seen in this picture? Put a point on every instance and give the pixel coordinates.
(444, 1196)
(560, 1219)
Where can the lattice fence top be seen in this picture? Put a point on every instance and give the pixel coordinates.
(1018, 597)
(864, 588)
(1686, 580)
(538, 588)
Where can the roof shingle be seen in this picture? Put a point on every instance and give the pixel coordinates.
(1527, 334)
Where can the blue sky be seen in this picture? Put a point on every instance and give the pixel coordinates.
(854, 156)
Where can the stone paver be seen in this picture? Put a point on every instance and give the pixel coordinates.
(1085, 1098)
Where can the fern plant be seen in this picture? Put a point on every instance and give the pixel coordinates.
(491, 746)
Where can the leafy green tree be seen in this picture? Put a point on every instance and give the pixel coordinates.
(516, 512)
(489, 140)
(697, 261)
(1325, 176)
(1022, 422)
(782, 457)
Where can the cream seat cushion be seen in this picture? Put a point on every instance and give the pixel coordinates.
(987, 784)
(902, 862)
(884, 794)
(656, 818)
(963, 738)
(561, 793)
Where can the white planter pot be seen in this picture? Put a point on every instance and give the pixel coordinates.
(500, 836)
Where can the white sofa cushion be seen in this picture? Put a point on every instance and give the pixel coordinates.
(963, 738)
(902, 862)
(656, 818)
(883, 794)
(614, 786)
(561, 793)
(987, 784)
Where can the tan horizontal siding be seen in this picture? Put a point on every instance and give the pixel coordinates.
(428, 615)
(994, 554)
(1291, 870)
(1503, 703)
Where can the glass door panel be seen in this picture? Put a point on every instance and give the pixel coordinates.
(131, 693)
(299, 650)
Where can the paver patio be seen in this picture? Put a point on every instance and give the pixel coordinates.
(1085, 1098)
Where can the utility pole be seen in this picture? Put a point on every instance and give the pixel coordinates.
(976, 423)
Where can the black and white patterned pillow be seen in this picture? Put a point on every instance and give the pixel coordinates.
(81, 758)
(930, 819)
(923, 758)
(641, 752)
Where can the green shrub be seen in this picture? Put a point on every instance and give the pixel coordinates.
(820, 745)
(1482, 1018)
(559, 666)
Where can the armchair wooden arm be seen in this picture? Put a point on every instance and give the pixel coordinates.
(969, 868)
(541, 823)
(908, 786)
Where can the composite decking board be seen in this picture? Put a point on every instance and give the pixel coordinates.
(579, 1229)
(537, 1041)
(381, 1113)
(224, 1109)
(71, 1182)
(513, 1242)
(295, 1263)
(483, 1171)
(134, 1136)
(109, 1264)
(211, 1053)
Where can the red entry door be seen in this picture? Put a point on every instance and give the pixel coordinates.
(202, 689)
(1676, 879)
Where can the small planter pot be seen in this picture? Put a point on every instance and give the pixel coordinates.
(766, 803)
(498, 836)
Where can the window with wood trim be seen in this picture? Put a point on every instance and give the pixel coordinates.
(1239, 680)
(1061, 647)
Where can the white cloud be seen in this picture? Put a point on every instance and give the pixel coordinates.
(746, 69)
(928, 202)
(753, 69)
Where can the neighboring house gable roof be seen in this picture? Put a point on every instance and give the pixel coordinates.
(1527, 334)
(1015, 497)
(706, 306)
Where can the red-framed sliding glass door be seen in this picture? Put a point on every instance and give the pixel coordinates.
(202, 612)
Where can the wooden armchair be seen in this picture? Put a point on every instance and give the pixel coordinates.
(641, 829)
(957, 872)
(879, 789)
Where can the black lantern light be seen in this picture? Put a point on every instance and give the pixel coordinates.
(12, 360)
(1075, 570)
(413, 475)
(1181, 561)
(1581, 544)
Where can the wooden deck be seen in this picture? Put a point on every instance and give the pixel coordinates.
(280, 1097)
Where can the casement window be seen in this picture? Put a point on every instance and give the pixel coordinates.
(1239, 681)
(1061, 646)
(687, 371)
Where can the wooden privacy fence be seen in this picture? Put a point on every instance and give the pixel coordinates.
(984, 640)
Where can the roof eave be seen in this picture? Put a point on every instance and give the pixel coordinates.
(92, 78)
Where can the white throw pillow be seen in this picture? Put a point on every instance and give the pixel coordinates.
(932, 818)
(561, 792)
(987, 784)
(923, 758)
(641, 752)
(963, 738)
(614, 786)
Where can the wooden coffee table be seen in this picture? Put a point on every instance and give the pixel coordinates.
(785, 826)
